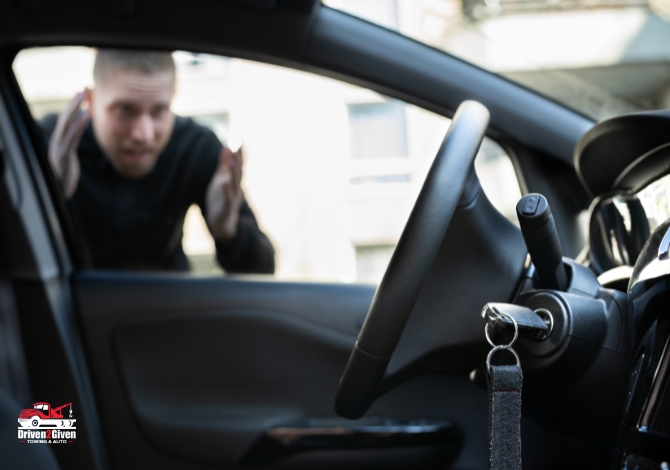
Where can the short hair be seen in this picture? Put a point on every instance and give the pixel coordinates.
(145, 62)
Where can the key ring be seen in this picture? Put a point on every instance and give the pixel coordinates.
(516, 333)
(499, 348)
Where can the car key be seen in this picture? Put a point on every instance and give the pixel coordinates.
(530, 324)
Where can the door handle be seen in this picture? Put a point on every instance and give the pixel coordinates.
(313, 434)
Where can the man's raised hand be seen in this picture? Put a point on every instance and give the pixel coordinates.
(224, 195)
(64, 141)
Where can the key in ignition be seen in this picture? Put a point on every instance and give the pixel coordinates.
(534, 325)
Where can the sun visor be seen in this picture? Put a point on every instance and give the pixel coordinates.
(624, 152)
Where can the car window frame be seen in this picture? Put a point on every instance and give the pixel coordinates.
(73, 255)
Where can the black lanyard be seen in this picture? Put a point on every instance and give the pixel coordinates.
(504, 385)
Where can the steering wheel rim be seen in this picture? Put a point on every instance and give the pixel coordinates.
(418, 245)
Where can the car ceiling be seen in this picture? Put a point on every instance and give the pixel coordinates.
(306, 35)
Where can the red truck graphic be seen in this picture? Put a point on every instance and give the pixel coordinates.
(43, 415)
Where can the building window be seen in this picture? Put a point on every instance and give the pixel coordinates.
(401, 178)
(378, 130)
(372, 261)
(383, 12)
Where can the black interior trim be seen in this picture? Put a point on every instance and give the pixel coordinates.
(270, 5)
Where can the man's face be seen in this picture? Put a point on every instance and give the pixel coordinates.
(132, 120)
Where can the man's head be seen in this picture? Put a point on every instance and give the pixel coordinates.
(130, 107)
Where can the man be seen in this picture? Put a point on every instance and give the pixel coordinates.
(130, 169)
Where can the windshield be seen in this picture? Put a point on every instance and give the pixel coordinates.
(599, 57)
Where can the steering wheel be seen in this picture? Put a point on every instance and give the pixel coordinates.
(418, 245)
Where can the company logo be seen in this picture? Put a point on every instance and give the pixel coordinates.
(44, 424)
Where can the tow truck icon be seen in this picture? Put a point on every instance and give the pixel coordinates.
(42, 415)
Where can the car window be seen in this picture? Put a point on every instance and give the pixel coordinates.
(330, 170)
(621, 68)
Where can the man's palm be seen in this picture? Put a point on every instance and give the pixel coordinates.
(224, 195)
(64, 141)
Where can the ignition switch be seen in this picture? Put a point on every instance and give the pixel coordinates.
(529, 324)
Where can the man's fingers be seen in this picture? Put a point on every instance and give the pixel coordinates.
(237, 176)
(65, 122)
(69, 115)
(237, 158)
(78, 130)
(236, 166)
(74, 107)
(229, 193)
(229, 176)
(224, 194)
(231, 164)
(225, 157)
(74, 132)
(68, 163)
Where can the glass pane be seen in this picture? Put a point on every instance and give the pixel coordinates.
(655, 200)
(330, 170)
(600, 57)
(378, 130)
(371, 262)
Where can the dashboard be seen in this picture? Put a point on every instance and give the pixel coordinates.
(624, 163)
(644, 436)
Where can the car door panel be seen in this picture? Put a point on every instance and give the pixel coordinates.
(223, 376)
(192, 371)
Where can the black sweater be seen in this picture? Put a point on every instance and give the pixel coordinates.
(138, 223)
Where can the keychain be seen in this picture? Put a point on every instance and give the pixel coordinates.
(504, 386)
